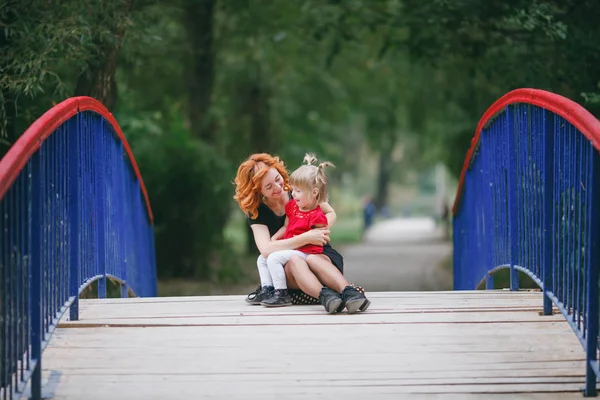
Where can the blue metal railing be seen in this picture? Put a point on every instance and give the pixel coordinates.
(529, 201)
(73, 210)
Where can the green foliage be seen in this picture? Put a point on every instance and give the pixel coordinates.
(486, 49)
(188, 184)
(44, 48)
(402, 82)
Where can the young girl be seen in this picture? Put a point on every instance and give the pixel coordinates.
(303, 213)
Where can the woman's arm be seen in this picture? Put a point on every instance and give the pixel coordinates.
(279, 234)
(266, 246)
(329, 213)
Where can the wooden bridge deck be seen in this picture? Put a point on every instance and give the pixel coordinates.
(408, 345)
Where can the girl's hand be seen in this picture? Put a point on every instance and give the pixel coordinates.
(318, 237)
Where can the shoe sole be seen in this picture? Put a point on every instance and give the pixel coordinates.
(335, 306)
(365, 305)
(275, 305)
(357, 305)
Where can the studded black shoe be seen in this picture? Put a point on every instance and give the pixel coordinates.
(280, 298)
(260, 294)
(331, 300)
(354, 300)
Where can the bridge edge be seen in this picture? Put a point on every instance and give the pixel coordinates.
(573, 112)
(30, 141)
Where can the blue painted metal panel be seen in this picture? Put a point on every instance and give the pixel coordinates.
(74, 215)
(534, 179)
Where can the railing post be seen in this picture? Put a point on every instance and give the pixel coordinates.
(154, 291)
(123, 238)
(591, 317)
(512, 197)
(456, 256)
(100, 204)
(548, 210)
(37, 274)
(485, 152)
(74, 211)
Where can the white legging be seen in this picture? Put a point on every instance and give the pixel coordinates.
(271, 270)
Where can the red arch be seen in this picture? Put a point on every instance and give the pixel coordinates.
(19, 154)
(578, 116)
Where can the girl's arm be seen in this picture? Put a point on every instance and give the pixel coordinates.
(266, 246)
(279, 234)
(329, 213)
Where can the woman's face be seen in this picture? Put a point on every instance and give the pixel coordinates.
(272, 184)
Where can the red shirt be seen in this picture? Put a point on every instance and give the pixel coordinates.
(303, 221)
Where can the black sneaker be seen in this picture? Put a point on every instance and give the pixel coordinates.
(280, 298)
(331, 300)
(354, 300)
(259, 295)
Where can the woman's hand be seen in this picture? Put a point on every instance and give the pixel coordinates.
(318, 236)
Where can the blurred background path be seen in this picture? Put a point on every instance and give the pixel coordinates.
(400, 254)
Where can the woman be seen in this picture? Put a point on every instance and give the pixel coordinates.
(262, 191)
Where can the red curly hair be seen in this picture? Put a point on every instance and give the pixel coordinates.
(248, 179)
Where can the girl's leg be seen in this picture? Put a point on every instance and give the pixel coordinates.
(326, 272)
(275, 264)
(263, 272)
(265, 290)
(299, 276)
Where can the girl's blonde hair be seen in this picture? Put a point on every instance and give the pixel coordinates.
(311, 176)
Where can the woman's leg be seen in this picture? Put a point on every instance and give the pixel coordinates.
(326, 272)
(299, 276)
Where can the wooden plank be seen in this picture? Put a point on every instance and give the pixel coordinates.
(414, 371)
(441, 345)
(391, 309)
(397, 302)
(182, 388)
(433, 297)
(277, 318)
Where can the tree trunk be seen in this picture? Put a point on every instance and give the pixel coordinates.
(261, 135)
(8, 109)
(256, 97)
(8, 115)
(262, 139)
(98, 80)
(198, 19)
(383, 177)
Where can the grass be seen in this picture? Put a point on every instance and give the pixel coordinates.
(448, 264)
(187, 287)
(347, 230)
(113, 290)
(235, 232)
(501, 277)
(176, 287)
(502, 280)
(236, 273)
